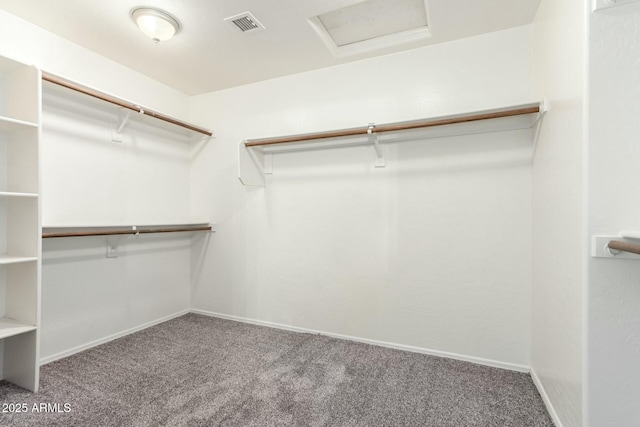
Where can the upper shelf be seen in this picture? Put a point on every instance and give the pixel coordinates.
(514, 117)
(19, 94)
(127, 105)
(254, 159)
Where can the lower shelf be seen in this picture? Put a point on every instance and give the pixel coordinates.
(50, 232)
(10, 327)
(14, 194)
(4, 259)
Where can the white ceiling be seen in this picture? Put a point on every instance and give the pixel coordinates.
(209, 54)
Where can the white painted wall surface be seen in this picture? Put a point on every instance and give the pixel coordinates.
(614, 171)
(88, 179)
(558, 219)
(91, 180)
(87, 297)
(432, 252)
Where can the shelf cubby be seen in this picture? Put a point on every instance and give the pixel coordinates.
(18, 159)
(19, 91)
(20, 216)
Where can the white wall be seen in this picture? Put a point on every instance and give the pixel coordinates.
(87, 297)
(558, 219)
(334, 245)
(614, 172)
(88, 179)
(432, 252)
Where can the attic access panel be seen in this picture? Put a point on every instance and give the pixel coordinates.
(372, 24)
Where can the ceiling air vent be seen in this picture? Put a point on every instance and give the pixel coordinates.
(245, 22)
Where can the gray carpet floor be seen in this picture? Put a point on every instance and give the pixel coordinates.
(201, 371)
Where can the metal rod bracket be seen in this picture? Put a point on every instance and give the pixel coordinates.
(116, 133)
(380, 155)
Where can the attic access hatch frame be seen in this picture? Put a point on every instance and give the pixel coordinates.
(255, 156)
(369, 44)
(606, 4)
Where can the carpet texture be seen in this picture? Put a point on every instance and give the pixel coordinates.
(201, 371)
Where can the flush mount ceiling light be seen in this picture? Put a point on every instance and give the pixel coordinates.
(156, 24)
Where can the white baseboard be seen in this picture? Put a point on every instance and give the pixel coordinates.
(545, 398)
(78, 349)
(456, 356)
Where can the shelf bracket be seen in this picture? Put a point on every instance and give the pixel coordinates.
(252, 165)
(268, 164)
(116, 134)
(380, 154)
(112, 247)
(124, 121)
(537, 123)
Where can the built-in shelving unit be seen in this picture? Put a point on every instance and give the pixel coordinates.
(254, 157)
(20, 246)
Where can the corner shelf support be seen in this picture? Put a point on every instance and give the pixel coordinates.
(251, 165)
(537, 123)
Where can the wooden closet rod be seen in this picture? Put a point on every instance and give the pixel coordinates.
(121, 103)
(394, 127)
(123, 231)
(624, 246)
